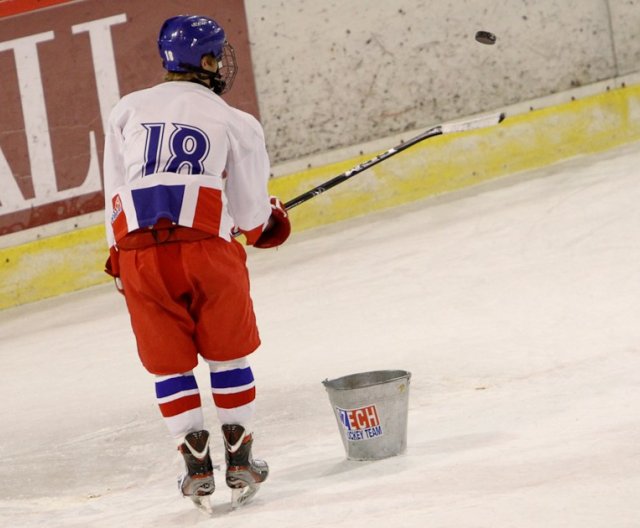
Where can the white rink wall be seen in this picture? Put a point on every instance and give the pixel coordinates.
(339, 82)
(331, 74)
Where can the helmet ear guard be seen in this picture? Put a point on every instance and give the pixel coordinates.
(222, 79)
(185, 39)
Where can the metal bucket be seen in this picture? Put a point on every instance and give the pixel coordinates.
(371, 409)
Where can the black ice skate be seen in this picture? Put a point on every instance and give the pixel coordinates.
(197, 483)
(244, 475)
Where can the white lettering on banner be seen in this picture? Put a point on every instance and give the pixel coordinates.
(35, 123)
(104, 62)
(35, 117)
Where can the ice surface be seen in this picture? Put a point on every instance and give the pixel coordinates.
(514, 305)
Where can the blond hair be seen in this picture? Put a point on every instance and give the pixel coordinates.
(180, 76)
(188, 76)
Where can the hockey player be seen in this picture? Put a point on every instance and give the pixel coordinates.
(184, 171)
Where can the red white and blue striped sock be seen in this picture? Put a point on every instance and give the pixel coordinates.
(179, 400)
(234, 392)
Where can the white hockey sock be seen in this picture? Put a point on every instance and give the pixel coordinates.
(179, 400)
(233, 389)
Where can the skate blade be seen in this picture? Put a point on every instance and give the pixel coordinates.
(240, 496)
(203, 503)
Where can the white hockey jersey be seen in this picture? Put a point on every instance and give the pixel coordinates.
(179, 151)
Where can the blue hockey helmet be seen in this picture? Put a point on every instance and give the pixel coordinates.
(185, 39)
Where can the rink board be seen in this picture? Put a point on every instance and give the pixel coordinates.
(75, 260)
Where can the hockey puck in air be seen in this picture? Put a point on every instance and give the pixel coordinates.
(485, 37)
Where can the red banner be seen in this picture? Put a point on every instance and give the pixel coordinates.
(13, 7)
(63, 70)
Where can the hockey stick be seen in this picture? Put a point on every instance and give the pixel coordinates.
(439, 130)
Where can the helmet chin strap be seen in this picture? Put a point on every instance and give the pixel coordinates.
(216, 83)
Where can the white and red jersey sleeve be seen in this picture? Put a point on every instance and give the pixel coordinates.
(179, 151)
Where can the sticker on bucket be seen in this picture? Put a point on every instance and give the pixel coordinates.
(360, 424)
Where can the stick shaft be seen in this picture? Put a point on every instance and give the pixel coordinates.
(447, 128)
